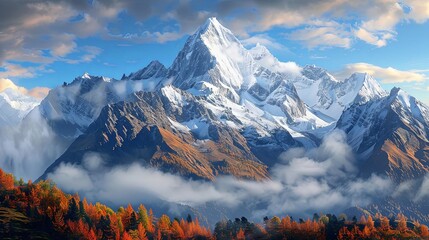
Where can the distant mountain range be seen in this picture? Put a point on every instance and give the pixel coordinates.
(222, 109)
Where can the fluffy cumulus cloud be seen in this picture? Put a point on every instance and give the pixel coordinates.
(322, 179)
(386, 75)
(379, 28)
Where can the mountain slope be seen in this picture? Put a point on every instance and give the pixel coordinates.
(72, 107)
(150, 130)
(391, 134)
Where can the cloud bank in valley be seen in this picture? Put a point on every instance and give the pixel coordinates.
(303, 182)
(28, 149)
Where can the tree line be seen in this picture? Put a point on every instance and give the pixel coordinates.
(66, 216)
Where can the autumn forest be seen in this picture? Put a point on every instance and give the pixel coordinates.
(42, 211)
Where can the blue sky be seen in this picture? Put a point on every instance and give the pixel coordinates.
(45, 43)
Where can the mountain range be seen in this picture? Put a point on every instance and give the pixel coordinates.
(223, 109)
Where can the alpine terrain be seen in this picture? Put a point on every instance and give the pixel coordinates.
(222, 109)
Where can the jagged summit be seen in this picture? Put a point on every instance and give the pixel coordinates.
(154, 69)
(85, 76)
(407, 103)
(314, 72)
(212, 33)
(259, 51)
(212, 24)
(368, 87)
(213, 55)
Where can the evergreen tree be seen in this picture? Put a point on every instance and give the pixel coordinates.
(82, 213)
(189, 218)
(316, 217)
(73, 211)
(133, 221)
(104, 226)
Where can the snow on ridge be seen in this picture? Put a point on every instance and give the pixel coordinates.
(214, 65)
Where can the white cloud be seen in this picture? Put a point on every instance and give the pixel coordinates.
(15, 70)
(377, 39)
(318, 57)
(88, 54)
(24, 149)
(313, 37)
(7, 83)
(383, 16)
(92, 161)
(416, 190)
(419, 10)
(263, 39)
(145, 37)
(73, 178)
(386, 75)
(379, 28)
(64, 46)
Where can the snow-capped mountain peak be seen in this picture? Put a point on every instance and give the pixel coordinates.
(213, 27)
(259, 51)
(368, 87)
(215, 56)
(86, 76)
(314, 73)
(263, 57)
(401, 95)
(408, 106)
